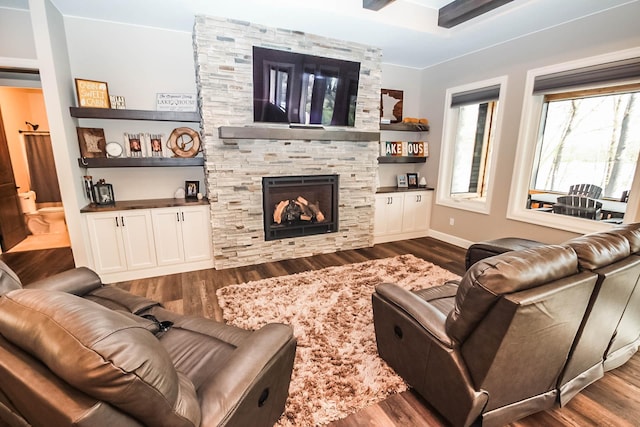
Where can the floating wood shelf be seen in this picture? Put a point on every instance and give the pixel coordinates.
(405, 127)
(401, 159)
(319, 134)
(115, 114)
(126, 162)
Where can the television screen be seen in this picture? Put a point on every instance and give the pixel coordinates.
(291, 87)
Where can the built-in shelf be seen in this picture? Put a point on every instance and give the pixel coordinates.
(126, 162)
(401, 159)
(111, 113)
(405, 127)
(314, 134)
(124, 205)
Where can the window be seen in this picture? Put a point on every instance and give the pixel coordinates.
(581, 125)
(469, 145)
(588, 137)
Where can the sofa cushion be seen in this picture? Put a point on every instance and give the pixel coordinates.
(632, 233)
(8, 279)
(599, 249)
(102, 353)
(509, 272)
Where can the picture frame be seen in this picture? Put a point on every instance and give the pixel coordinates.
(134, 144)
(412, 180)
(87, 183)
(191, 190)
(92, 94)
(391, 105)
(92, 142)
(402, 181)
(156, 145)
(103, 194)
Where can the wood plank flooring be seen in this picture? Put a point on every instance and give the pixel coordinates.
(612, 401)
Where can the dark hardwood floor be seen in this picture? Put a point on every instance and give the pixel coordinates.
(612, 401)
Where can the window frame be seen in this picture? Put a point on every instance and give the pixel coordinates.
(444, 197)
(532, 107)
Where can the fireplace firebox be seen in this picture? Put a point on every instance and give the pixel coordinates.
(295, 206)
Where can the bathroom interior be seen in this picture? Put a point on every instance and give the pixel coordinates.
(23, 115)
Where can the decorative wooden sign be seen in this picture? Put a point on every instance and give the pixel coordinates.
(92, 94)
(393, 148)
(417, 149)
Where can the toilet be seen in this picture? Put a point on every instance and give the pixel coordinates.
(44, 220)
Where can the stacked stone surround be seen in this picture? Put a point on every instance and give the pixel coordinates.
(234, 167)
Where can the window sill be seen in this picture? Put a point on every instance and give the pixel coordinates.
(559, 222)
(473, 205)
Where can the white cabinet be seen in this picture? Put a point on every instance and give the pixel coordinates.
(121, 240)
(417, 211)
(402, 215)
(137, 243)
(388, 216)
(182, 234)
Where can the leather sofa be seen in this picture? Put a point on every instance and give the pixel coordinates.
(522, 331)
(74, 352)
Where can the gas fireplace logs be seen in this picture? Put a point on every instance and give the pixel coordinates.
(297, 210)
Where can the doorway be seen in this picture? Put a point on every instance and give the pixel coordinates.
(28, 153)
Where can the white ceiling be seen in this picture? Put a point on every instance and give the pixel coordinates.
(406, 30)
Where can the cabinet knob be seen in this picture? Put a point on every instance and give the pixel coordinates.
(177, 216)
(122, 221)
(117, 225)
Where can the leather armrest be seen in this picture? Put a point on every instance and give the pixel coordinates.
(78, 281)
(430, 318)
(248, 364)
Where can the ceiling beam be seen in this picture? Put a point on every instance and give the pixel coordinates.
(460, 11)
(375, 4)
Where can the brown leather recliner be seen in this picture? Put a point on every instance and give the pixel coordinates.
(626, 338)
(606, 254)
(493, 347)
(76, 353)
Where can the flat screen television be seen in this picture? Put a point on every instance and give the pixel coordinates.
(303, 89)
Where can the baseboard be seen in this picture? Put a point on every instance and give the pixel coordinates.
(456, 241)
(155, 271)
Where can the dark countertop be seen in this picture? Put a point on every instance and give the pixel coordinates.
(143, 204)
(402, 190)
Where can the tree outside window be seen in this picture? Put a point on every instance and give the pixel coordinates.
(589, 138)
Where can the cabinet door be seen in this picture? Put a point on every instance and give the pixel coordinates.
(168, 235)
(106, 242)
(417, 211)
(388, 215)
(137, 238)
(195, 233)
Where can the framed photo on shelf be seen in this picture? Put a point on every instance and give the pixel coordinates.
(412, 180)
(103, 194)
(134, 143)
(191, 189)
(155, 145)
(92, 94)
(92, 142)
(402, 181)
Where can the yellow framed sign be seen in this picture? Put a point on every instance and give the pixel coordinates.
(92, 94)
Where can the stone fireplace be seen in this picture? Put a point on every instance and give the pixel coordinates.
(240, 153)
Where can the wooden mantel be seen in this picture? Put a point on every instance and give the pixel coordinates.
(280, 133)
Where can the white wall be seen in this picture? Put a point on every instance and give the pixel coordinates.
(137, 63)
(16, 35)
(408, 80)
(616, 29)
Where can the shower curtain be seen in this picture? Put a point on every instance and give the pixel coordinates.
(42, 168)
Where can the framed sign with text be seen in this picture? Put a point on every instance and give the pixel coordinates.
(92, 94)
